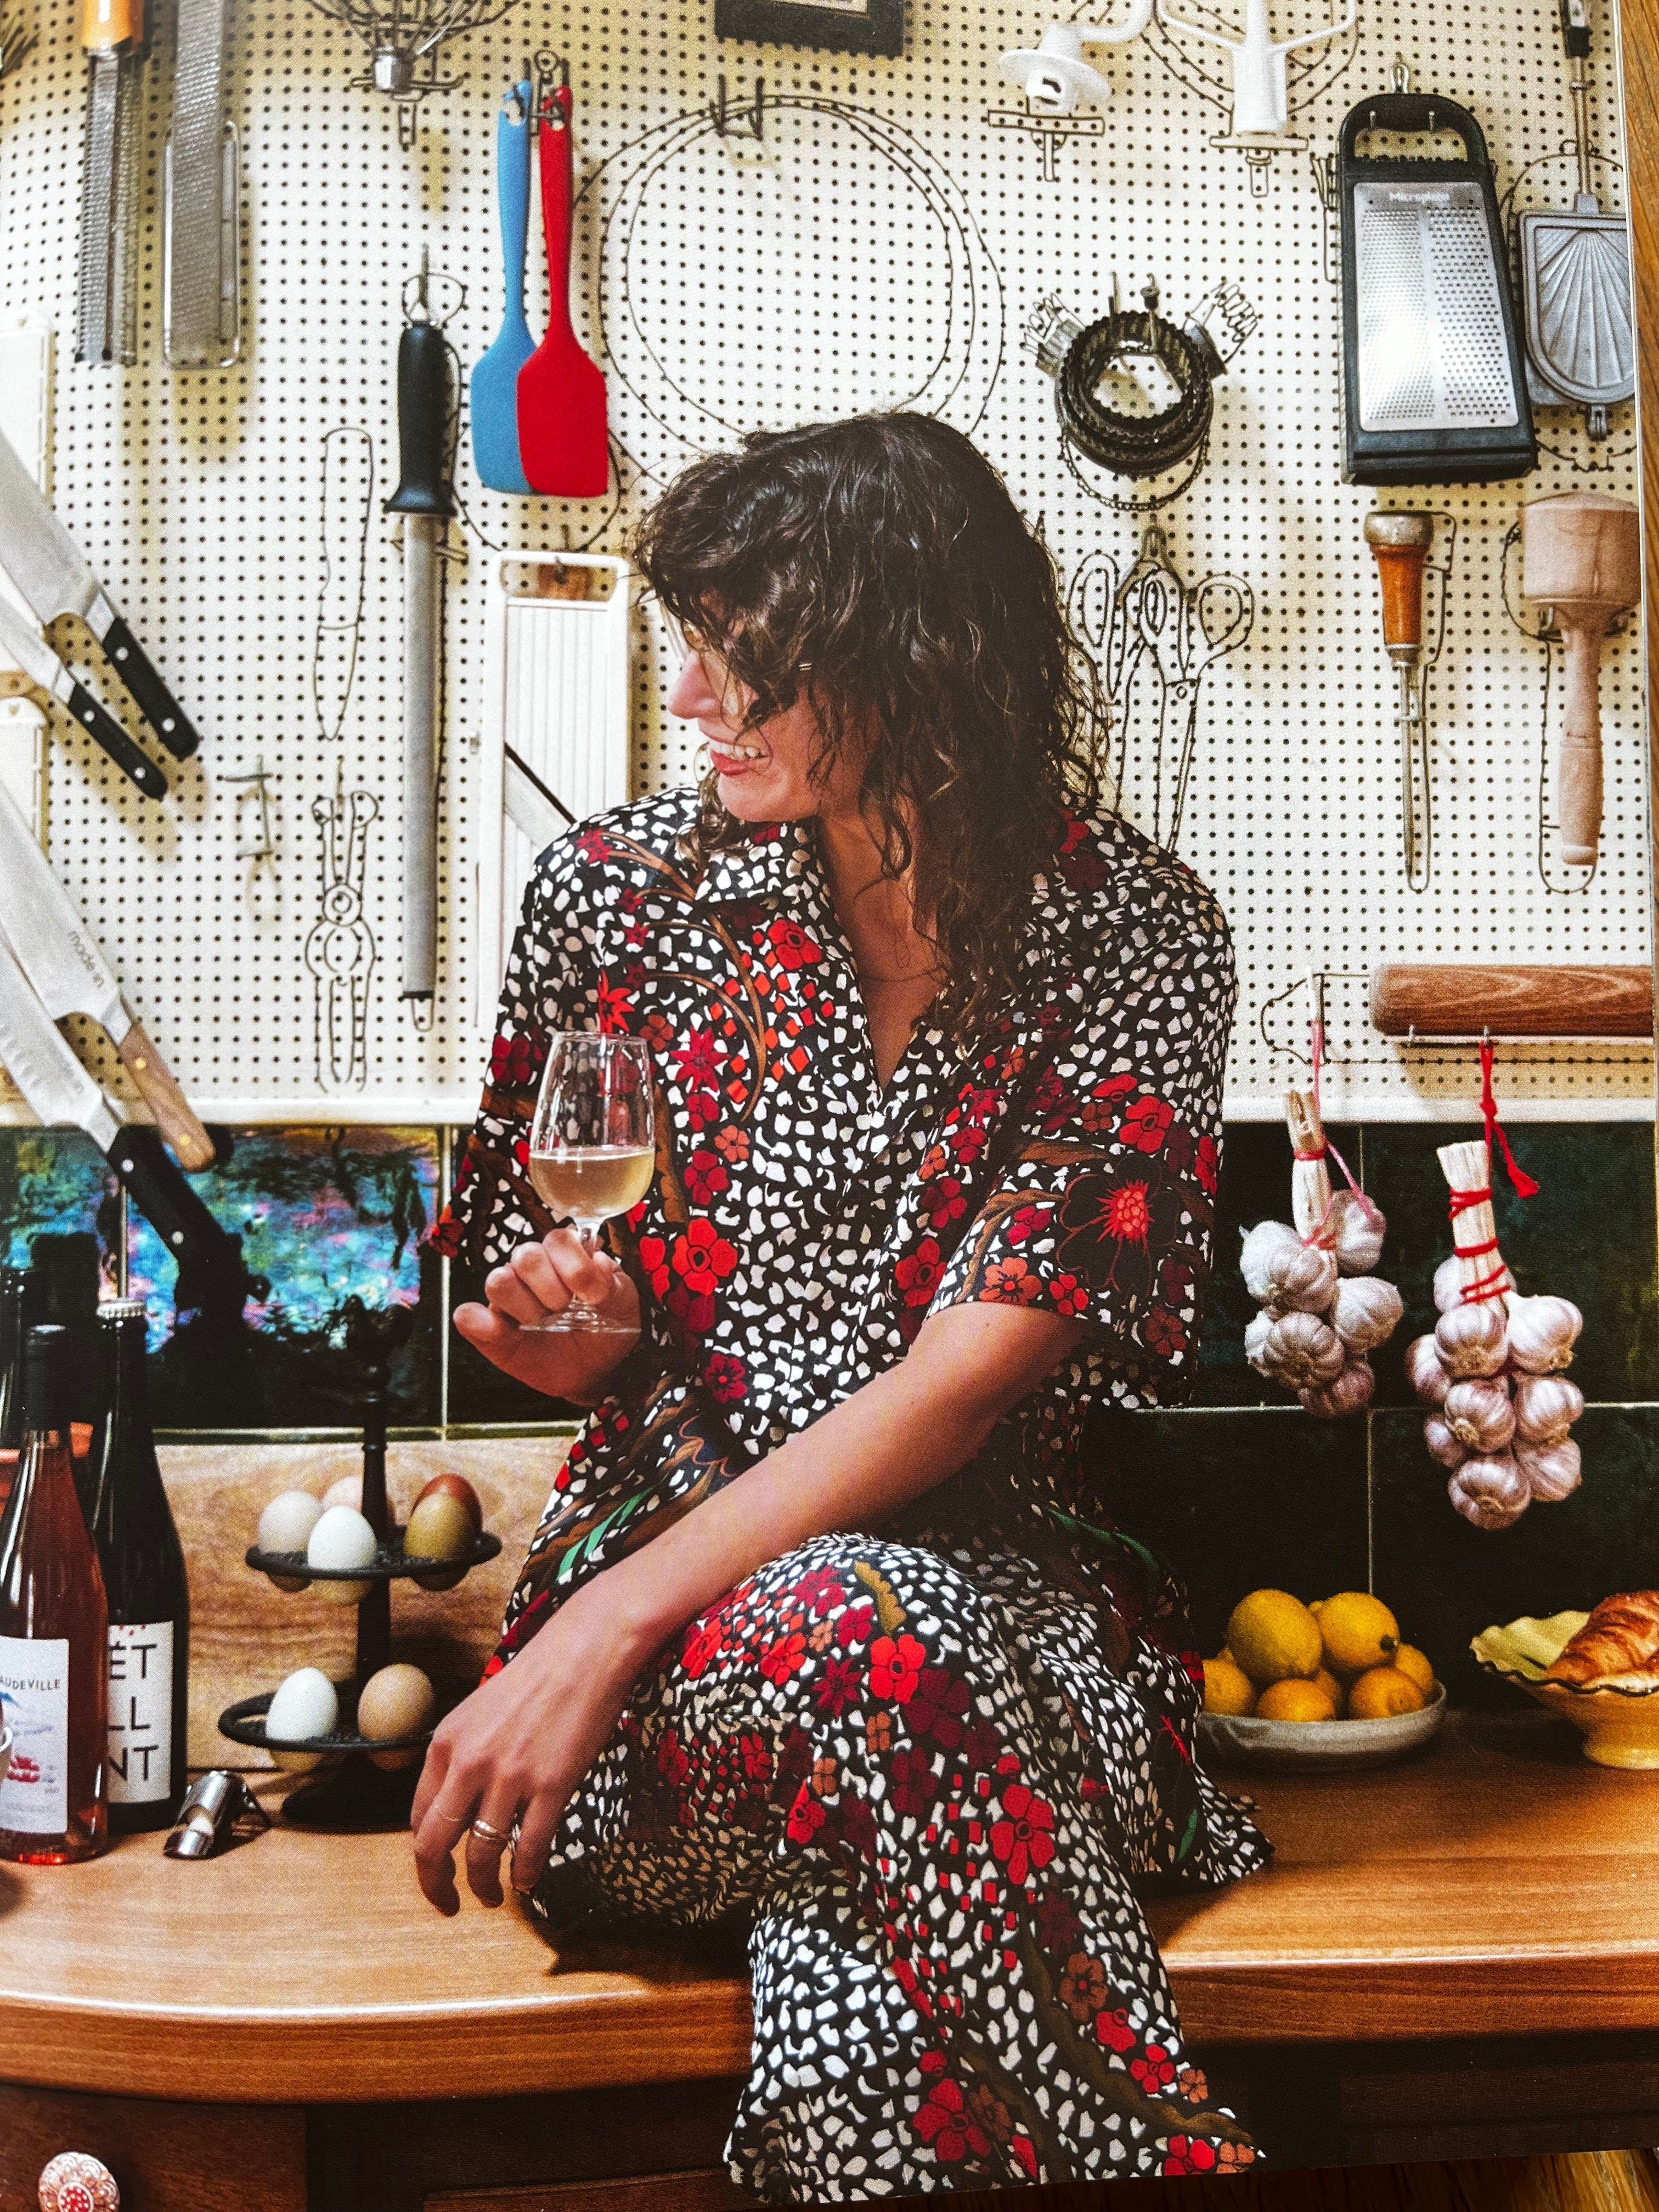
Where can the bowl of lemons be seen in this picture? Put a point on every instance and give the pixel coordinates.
(1317, 1686)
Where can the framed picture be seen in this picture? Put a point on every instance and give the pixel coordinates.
(852, 27)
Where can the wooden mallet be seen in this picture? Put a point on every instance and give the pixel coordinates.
(1581, 556)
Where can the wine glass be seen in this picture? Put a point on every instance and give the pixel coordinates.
(593, 1144)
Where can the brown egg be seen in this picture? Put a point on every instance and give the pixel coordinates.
(398, 1701)
(456, 1487)
(441, 1528)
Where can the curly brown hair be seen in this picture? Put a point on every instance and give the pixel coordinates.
(879, 568)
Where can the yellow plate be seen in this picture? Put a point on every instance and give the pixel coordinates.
(1620, 1720)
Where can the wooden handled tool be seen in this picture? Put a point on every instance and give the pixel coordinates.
(1444, 998)
(1581, 556)
(1400, 540)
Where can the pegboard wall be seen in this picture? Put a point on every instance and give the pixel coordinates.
(884, 239)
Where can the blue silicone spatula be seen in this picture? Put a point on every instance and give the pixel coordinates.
(495, 403)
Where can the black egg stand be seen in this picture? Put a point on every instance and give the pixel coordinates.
(353, 1793)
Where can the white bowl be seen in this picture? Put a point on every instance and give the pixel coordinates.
(1320, 1746)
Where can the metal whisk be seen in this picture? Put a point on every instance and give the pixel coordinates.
(404, 38)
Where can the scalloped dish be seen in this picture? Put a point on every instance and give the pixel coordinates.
(1619, 1716)
(1320, 1746)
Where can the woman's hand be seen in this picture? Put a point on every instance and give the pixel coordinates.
(541, 1280)
(518, 1748)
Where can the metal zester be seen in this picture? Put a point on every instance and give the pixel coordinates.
(202, 321)
(1434, 388)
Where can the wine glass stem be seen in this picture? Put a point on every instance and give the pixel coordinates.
(587, 1236)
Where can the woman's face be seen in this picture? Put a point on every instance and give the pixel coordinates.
(765, 772)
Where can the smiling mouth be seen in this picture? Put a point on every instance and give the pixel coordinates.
(730, 749)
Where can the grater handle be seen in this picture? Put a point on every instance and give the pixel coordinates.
(1413, 114)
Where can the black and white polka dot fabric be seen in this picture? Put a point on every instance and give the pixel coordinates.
(932, 1761)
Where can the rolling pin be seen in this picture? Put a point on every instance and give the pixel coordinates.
(1400, 540)
(1581, 556)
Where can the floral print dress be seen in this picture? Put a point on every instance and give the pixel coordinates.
(926, 1764)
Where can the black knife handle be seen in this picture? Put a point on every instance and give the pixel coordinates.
(425, 399)
(102, 724)
(150, 695)
(209, 1258)
(1575, 30)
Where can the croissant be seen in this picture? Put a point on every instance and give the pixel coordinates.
(1621, 1637)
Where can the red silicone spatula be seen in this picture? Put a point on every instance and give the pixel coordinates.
(562, 441)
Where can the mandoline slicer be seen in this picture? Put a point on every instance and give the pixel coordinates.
(1433, 381)
(555, 729)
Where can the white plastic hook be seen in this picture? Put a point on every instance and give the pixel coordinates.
(1262, 105)
(1053, 75)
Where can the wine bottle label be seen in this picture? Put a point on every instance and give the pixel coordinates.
(140, 1712)
(35, 1705)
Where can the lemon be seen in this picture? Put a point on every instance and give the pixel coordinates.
(1324, 1680)
(1417, 1665)
(1381, 1692)
(1227, 1687)
(1296, 1701)
(1273, 1636)
(1317, 1605)
(1359, 1633)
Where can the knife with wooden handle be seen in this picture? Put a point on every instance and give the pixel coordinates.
(36, 1055)
(56, 578)
(70, 976)
(29, 650)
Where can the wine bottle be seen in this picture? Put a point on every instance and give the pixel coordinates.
(21, 1304)
(144, 1580)
(54, 1633)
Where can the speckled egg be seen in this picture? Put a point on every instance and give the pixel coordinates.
(341, 1539)
(304, 1707)
(398, 1701)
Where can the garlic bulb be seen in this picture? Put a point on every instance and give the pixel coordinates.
(1551, 1470)
(1471, 1341)
(1255, 1259)
(1480, 1415)
(1545, 1407)
(1303, 1279)
(1449, 1285)
(1542, 1333)
(1303, 1352)
(1491, 1492)
(1351, 1392)
(1354, 1229)
(1367, 1312)
(1424, 1371)
(1442, 1444)
(1255, 1337)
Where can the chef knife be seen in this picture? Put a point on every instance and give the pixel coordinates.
(29, 650)
(61, 1094)
(70, 975)
(56, 578)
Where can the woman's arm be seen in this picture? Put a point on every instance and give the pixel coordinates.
(518, 1748)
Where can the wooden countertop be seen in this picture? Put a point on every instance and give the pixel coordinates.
(1500, 1884)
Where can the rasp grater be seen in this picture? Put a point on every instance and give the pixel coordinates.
(112, 36)
(202, 320)
(1434, 389)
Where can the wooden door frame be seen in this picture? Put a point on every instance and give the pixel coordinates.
(1639, 57)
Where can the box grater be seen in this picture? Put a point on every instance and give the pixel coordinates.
(1434, 389)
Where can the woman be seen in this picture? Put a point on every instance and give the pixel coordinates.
(823, 1626)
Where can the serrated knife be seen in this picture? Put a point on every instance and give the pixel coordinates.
(29, 650)
(62, 1095)
(69, 975)
(56, 578)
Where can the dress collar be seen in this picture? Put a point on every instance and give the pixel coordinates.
(764, 866)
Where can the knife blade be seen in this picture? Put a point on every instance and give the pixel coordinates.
(62, 1094)
(69, 975)
(31, 653)
(56, 578)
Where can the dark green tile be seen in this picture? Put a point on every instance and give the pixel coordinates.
(1238, 1501)
(60, 1210)
(1589, 1236)
(325, 1216)
(1255, 1186)
(1446, 1581)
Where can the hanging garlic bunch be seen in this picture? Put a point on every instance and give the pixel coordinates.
(1322, 1311)
(1492, 1369)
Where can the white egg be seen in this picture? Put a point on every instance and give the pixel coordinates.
(342, 1538)
(287, 1522)
(304, 1707)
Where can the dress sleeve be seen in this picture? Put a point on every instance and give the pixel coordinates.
(550, 984)
(1102, 1204)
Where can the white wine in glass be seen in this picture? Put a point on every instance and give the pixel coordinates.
(593, 1143)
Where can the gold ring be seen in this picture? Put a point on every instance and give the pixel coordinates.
(486, 1834)
(459, 1819)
